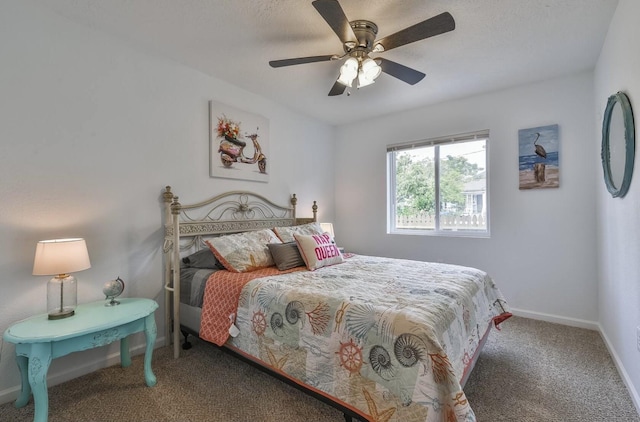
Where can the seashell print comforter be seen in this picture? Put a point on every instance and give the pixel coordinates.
(390, 339)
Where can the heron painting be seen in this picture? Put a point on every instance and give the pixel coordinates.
(540, 151)
(538, 157)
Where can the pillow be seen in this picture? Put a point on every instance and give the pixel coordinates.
(204, 258)
(286, 233)
(286, 255)
(244, 252)
(318, 250)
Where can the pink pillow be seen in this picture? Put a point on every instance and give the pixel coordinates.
(318, 250)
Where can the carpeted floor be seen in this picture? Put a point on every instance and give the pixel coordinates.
(534, 371)
(529, 371)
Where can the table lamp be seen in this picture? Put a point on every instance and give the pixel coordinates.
(328, 228)
(60, 257)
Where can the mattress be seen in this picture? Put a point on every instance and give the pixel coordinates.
(192, 283)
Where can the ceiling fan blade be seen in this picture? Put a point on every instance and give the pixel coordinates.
(300, 60)
(404, 73)
(332, 12)
(337, 89)
(435, 26)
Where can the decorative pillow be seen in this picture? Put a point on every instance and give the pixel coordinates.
(286, 255)
(318, 250)
(204, 258)
(244, 252)
(286, 233)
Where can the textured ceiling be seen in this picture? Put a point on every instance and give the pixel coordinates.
(496, 44)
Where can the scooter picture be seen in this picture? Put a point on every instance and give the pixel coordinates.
(231, 148)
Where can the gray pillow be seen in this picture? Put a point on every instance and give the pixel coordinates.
(286, 255)
(204, 258)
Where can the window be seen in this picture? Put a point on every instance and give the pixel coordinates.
(439, 186)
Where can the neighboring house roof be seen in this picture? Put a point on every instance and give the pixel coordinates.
(475, 186)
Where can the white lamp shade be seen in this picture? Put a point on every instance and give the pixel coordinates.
(348, 71)
(61, 256)
(328, 228)
(368, 73)
(363, 80)
(370, 69)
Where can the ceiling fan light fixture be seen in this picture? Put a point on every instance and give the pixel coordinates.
(358, 38)
(371, 69)
(348, 71)
(363, 80)
(378, 48)
(368, 72)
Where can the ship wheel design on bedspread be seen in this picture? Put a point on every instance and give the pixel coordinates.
(350, 356)
(259, 323)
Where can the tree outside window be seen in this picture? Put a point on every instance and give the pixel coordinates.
(439, 186)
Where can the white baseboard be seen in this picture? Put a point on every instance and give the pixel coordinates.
(591, 326)
(572, 322)
(623, 373)
(10, 394)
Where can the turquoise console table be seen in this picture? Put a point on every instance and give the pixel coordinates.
(38, 340)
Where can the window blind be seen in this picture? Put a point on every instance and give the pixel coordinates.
(483, 134)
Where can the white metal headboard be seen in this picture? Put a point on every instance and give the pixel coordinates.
(187, 226)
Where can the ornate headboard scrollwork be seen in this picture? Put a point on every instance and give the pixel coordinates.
(187, 226)
(231, 212)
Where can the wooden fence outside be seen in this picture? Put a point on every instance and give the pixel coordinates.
(447, 221)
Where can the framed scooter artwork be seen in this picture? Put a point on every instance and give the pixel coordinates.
(239, 143)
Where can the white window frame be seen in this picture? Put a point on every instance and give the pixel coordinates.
(391, 186)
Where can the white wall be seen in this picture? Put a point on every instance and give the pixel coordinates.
(619, 219)
(542, 251)
(90, 133)
(92, 130)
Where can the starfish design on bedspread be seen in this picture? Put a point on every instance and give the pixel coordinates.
(275, 362)
(376, 416)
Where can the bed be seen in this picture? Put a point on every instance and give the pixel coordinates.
(380, 339)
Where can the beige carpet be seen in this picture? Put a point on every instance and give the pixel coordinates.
(529, 371)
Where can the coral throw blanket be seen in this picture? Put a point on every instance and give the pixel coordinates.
(220, 303)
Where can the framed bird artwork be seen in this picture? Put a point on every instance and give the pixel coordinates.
(539, 163)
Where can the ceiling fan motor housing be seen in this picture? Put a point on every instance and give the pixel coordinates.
(365, 32)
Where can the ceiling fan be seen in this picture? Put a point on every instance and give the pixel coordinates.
(358, 38)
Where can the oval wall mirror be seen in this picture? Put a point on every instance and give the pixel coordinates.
(618, 144)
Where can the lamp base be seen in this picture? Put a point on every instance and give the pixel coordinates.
(62, 314)
(62, 296)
